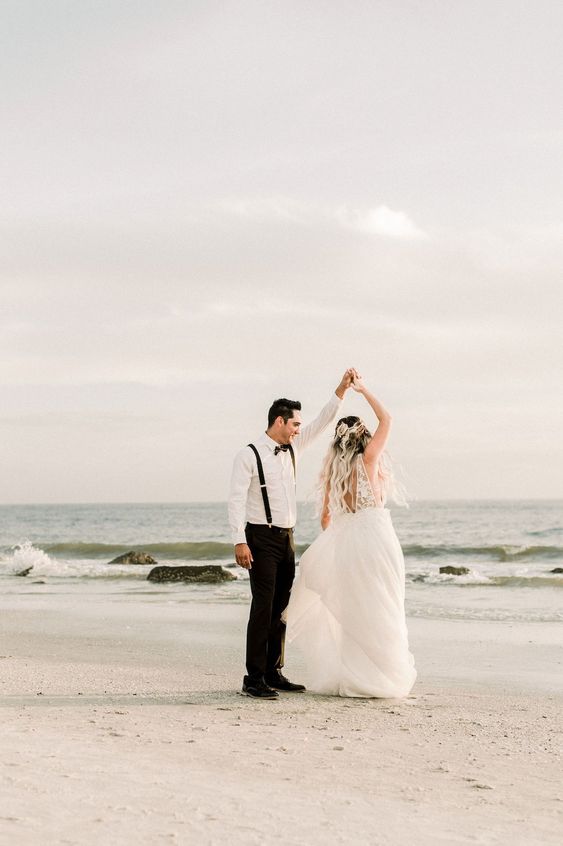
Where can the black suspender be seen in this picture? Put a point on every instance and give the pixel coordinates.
(290, 450)
(262, 485)
(262, 479)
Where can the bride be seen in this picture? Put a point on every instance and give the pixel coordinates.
(346, 611)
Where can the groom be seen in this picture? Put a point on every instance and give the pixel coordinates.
(262, 514)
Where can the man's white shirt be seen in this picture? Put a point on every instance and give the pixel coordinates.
(245, 500)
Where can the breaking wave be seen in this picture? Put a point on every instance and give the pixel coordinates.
(496, 552)
(473, 579)
(214, 550)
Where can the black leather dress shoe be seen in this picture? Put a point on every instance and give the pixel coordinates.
(258, 690)
(279, 682)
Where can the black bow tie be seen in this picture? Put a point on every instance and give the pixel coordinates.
(281, 448)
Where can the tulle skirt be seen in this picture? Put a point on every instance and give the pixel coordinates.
(346, 612)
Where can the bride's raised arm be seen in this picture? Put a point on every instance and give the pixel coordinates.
(376, 445)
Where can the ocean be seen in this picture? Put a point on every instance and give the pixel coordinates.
(509, 548)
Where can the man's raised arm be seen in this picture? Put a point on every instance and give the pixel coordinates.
(326, 415)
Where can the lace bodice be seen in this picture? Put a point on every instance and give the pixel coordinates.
(366, 496)
(361, 493)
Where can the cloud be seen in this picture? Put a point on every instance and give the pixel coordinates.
(382, 221)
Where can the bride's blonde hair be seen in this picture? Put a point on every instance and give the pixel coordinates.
(351, 437)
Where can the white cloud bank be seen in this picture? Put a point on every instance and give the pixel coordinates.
(379, 220)
(382, 221)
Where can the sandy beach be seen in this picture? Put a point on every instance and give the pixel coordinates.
(121, 723)
(330, 226)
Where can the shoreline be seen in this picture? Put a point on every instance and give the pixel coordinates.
(163, 637)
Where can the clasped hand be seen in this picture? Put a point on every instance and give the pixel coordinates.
(347, 381)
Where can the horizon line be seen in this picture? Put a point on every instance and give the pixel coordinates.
(300, 502)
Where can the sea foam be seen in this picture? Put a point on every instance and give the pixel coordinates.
(23, 556)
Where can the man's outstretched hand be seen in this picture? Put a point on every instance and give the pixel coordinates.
(345, 382)
(243, 556)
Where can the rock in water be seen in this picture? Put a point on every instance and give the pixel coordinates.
(194, 573)
(454, 571)
(557, 570)
(25, 572)
(134, 558)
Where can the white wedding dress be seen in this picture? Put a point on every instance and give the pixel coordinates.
(346, 612)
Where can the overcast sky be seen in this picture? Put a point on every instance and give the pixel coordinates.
(206, 205)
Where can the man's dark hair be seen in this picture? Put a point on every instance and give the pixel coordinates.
(282, 408)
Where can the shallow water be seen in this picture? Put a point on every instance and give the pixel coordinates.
(509, 548)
